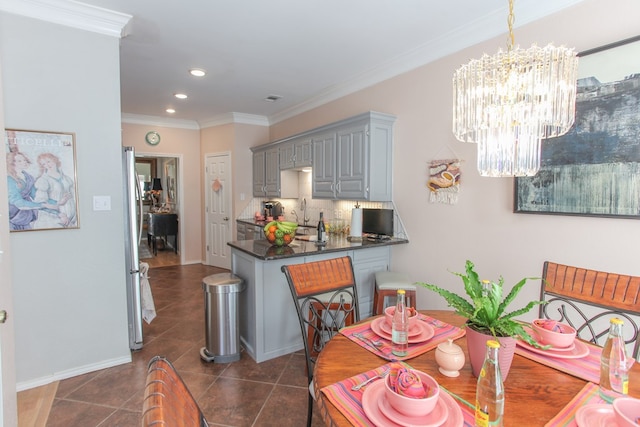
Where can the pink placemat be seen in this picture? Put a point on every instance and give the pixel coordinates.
(586, 368)
(442, 332)
(349, 402)
(566, 417)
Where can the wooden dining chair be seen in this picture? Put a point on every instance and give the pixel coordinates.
(326, 299)
(587, 299)
(167, 400)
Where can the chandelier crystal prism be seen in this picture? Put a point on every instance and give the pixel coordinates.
(507, 103)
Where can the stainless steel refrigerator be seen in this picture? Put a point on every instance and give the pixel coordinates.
(133, 228)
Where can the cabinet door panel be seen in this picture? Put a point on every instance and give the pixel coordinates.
(286, 152)
(324, 165)
(272, 173)
(259, 174)
(352, 170)
(303, 153)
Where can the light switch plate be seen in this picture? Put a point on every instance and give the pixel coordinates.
(101, 203)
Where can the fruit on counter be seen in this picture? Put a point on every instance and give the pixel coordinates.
(280, 233)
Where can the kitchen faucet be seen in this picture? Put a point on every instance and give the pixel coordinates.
(303, 207)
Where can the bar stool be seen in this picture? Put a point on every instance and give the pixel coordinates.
(387, 285)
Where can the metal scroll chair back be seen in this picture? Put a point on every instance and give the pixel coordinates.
(326, 299)
(587, 299)
(167, 400)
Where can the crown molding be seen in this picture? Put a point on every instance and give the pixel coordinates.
(485, 28)
(139, 119)
(242, 118)
(71, 14)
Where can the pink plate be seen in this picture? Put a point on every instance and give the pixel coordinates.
(427, 332)
(374, 394)
(579, 350)
(537, 339)
(413, 330)
(596, 416)
(433, 419)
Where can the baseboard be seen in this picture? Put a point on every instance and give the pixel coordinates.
(63, 375)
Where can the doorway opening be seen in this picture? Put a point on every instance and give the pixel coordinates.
(160, 178)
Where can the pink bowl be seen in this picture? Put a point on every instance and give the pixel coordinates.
(389, 311)
(411, 406)
(562, 335)
(627, 411)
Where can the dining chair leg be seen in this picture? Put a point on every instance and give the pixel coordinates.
(310, 410)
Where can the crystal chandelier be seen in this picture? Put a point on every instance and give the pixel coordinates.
(507, 103)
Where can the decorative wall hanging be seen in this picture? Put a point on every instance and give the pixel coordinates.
(216, 186)
(594, 170)
(444, 181)
(41, 180)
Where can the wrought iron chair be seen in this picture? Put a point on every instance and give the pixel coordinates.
(587, 299)
(326, 299)
(167, 400)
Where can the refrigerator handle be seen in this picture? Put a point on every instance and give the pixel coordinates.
(140, 206)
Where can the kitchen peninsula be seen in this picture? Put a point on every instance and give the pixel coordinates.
(268, 321)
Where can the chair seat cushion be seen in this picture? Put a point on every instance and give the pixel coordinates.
(386, 280)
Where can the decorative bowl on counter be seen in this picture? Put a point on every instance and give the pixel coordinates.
(280, 233)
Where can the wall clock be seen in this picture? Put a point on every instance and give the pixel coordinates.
(152, 138)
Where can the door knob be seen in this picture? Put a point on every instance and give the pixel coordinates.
(3, 316)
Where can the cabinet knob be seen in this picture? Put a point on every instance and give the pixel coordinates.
(3, 316)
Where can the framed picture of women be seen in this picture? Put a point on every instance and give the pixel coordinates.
(41, 180)
(594, 169)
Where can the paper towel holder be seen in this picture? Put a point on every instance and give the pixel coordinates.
(356, 224)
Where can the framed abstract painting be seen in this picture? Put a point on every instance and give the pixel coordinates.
(594, 169)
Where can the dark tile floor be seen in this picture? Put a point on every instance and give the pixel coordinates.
(243, 393)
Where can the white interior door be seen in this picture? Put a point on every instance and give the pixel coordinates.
(219, 215)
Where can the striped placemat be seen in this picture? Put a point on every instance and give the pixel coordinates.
(586, 368)
(442, 332)
(566, 417)
(349, 402)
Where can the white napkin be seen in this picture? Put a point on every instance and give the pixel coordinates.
(148, 307)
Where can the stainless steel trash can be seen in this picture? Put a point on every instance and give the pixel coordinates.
(222, 330)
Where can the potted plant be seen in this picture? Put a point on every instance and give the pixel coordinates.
(487, 319)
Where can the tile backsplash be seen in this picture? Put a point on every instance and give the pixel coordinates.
(332, 209)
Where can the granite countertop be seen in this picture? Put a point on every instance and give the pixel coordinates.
(264, 250)
(252, 221)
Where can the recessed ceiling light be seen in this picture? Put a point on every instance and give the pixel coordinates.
(180, 95)
(272, 98)
(197, 72)
(170, 110)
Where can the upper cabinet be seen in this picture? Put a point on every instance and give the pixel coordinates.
(267, 180)
(266, 173)
(351, 160)
(295, 154)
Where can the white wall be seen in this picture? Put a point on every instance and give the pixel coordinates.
(482, 226)
(69, 285)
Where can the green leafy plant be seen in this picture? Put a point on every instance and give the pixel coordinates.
(485, 310)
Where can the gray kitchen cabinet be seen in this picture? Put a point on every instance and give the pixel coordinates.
(268, 321)
(266, 173)
(353, 160)
(241, 230)
(365, 266)
(295, 154)
(324, 166)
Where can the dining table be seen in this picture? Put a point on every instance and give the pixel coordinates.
(535, 394)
